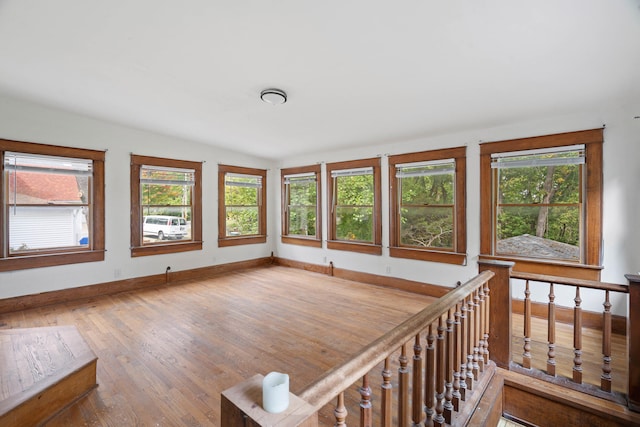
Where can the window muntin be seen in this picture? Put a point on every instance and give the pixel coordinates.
(354, 194)
(539, 204)
(242, 205)
(52, 205)
(589, 266)
(427, 203)
(166, 205)
(300, 205)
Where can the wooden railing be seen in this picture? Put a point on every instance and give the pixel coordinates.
(456, 354)
(502, 351)
(457, 342)
(437, 386)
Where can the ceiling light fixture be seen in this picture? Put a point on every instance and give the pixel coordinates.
(273, 96)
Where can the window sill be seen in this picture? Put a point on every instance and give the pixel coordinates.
(429, 255)
(365, 248)
(49, 260)
(167, 248)
(241, 240)
(303, 241)
(550, 267)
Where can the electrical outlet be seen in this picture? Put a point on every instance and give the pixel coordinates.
(117, 273)
(388, 269)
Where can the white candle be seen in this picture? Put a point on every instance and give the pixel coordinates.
(275, 392)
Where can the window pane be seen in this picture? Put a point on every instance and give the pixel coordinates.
(516, 231)
(242, 221)
(355, 190)
(241, 196)
(166, 223)
(427, 226)
(542, 184)
(354, 223)
(38, 228)
(432, 190)
(302, 220)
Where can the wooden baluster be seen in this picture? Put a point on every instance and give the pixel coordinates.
(481, 325)
(477, 342)
(577, 339)
(340, 412)
(387, 395)
(487, 310)
(471, 339)
(448, 395)
(463, 350)
(403, 387)
(605, 379)
(429, 379)
(365, 402)
(416, 402)
(457, 348)
(438, 421)
(526, 356)
(551, 333)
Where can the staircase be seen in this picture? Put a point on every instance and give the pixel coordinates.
(42, 371)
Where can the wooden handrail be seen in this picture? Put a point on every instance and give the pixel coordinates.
(336, 380)
(592, 284)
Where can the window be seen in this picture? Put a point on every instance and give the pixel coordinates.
(301, 219)
(354, 203)
(53, 205)
(541, 203)
(242, 214)
(427, 200)
(166, 213)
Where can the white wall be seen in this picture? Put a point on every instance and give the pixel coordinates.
(621, 201)
(23, 121)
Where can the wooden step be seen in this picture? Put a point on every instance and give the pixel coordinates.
(42, 371)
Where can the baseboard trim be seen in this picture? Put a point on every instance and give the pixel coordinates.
(26, 302)
(372, 279)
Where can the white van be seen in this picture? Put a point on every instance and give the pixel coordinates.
(164, 227)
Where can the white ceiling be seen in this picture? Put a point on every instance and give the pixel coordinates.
(357, 72)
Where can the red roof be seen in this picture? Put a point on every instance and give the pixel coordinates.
(44, 188)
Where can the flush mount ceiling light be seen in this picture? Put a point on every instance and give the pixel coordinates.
(273, 96)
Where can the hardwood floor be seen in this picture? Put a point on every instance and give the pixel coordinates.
(165, 354)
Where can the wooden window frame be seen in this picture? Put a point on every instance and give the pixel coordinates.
(261, 237)
(96, 250)
(137, 248)
(457, 255)
(315, 241)
(374, 248)
(591, 266)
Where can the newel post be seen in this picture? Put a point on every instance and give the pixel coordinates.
(499, 311)
(633, 341)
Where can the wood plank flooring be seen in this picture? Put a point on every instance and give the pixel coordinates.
(165, 354)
